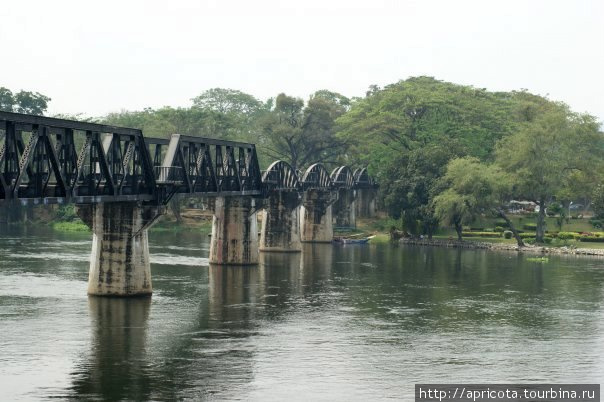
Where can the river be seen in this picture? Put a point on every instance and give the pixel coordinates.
(333, 323)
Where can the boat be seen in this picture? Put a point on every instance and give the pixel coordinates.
(345, 240)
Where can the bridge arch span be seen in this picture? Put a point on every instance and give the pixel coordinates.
(316, 176)
(342, 177)
(281, 176)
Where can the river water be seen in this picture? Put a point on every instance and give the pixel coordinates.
(334, 323)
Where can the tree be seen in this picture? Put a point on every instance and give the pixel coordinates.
(408, 131)
(473, 188)
(304, 135)
(545, 152)
(31, 102)
(409, 184)
(453, 208)
(227, 101)
(23, 102)
(598, 201)
(7, 101)
(421, 110)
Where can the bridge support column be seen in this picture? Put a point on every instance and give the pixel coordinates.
(281, 223)
(234, 232)
(119, 262)
(365, 203)
(315, 216)
(345, 209)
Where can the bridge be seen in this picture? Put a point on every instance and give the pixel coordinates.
(121, 182)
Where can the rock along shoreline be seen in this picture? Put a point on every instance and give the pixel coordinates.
(471, 245)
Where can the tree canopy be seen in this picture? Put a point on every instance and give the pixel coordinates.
(23, 102)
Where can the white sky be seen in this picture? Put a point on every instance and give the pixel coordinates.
(103, 56)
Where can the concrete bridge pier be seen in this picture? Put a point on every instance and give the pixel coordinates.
(119, 261)
(234, 231)
(345, 209)
(281, 224)
(365, 202)
(316, 217)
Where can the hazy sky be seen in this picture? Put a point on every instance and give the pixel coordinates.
(103, 56)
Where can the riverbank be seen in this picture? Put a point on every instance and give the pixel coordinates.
(190, 220)
(502, 247)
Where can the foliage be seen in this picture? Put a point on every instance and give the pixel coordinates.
(508, 234)
(302, 135)
(408, 186)
(482, 188)
(597, 201)
(568, 235)
(23, 102)
(77, 226)
(407, 132)
(482, 234)
(66, 213)
(544, 152)
(227, 101)
(591, 239)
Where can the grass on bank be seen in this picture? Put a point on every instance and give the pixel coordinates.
(73, 226)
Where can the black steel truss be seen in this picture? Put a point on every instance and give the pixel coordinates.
(280, 176)
(45, 160)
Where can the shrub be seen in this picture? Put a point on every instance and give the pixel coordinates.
(592, 239)
(508, 234)
(529, 226)
(597, 223)
(499, 229)
(526, 235)
(568, 235)
(66, 213)
(533, 240)
(481, 234)
(477, 229)
(554, 209)
(501, 222)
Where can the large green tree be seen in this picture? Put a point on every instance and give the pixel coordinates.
(546, 152)
(23, 102)
(223, 100)
(408, 131)
(474, 188)
(304, 134)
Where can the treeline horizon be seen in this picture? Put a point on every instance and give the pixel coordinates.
(443, 153)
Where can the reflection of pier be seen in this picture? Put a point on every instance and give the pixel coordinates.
(116, 367)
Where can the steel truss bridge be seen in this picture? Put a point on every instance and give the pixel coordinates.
(46, 160)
